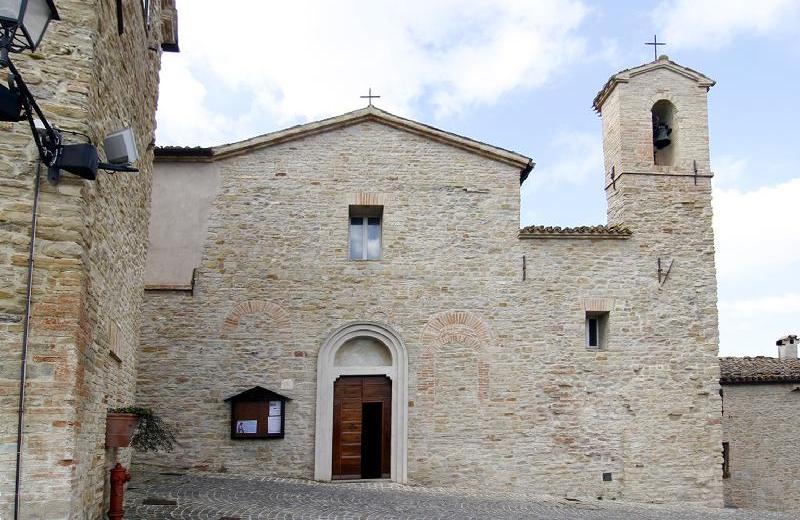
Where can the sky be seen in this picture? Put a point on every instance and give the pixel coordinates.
(522, 75)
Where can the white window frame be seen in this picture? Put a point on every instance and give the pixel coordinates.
(601, 319)
(365, 213)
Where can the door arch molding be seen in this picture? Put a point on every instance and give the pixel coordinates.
(328, 373)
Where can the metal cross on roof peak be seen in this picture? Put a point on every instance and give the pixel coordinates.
(655, 43)
(369, 97)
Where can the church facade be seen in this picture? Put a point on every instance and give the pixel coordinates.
(372, 270)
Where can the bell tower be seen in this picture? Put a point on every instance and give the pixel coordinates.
(658, 185)
(655, 123)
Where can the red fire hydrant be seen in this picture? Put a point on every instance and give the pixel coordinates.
(119, 476)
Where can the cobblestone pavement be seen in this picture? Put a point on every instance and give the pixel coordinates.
(159, 496)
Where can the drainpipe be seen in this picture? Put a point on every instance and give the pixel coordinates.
(23, 369)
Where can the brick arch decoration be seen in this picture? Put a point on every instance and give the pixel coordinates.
(251, 307)
(454, 327)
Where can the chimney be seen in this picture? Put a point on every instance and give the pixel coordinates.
(787, 347)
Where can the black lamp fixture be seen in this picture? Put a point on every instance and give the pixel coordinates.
(22, 25)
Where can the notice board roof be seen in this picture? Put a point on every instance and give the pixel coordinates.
(257, 393)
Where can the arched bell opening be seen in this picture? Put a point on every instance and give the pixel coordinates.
(665, 133)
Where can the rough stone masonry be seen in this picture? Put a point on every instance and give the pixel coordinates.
(252, 285)
(89, 258)
(761, 400)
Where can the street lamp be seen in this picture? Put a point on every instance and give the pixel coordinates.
(22, 25)
(24, 22)
(32, 16)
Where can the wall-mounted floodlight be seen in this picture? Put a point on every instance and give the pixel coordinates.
(83, 159)
(24, 22)
(120, 147)
(78, 159)
(22, 25)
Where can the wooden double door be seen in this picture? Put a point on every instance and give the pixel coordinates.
(362, 427)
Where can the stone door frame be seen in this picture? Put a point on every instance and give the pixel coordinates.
(328, 373)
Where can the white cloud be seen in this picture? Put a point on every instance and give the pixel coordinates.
(580, 158)
(749, 327)
(580, 162)
(758, 263)
(786, 303)
(728, 170)
(309, 59)
(757, 231)
(183, 118)
(715, 23)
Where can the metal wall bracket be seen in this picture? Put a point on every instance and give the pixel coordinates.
(662, 275)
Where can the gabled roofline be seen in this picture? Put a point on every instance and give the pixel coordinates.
(370, 113)
(663, 62)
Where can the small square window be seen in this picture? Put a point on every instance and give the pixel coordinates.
(596, 330)
(365, 232)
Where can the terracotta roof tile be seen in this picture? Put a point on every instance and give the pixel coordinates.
(575, 232)
(183, 151)
(758, 369)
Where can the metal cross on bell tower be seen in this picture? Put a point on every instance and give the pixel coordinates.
(369, 97)
(655, 43)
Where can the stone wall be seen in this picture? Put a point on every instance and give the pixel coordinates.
(502, 390)
(669, 210)
(760, 422)
(89, 259)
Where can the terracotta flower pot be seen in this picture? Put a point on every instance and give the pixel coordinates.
(120, 428)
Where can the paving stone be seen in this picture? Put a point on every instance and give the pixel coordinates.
(246, 498)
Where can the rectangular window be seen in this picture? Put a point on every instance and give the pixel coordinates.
(596, 330)
(726, 459)
(593, 333)
(365, 232)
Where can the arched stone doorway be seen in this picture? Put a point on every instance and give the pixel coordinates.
(379, 352)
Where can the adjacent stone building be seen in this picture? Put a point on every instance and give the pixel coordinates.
(372, 270)
(95, 73)
(760, 425)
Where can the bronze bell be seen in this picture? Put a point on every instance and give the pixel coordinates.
(661, 136)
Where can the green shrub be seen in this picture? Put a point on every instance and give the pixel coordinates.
(152, 434)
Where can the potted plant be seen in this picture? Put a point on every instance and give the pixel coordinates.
(138, 427)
